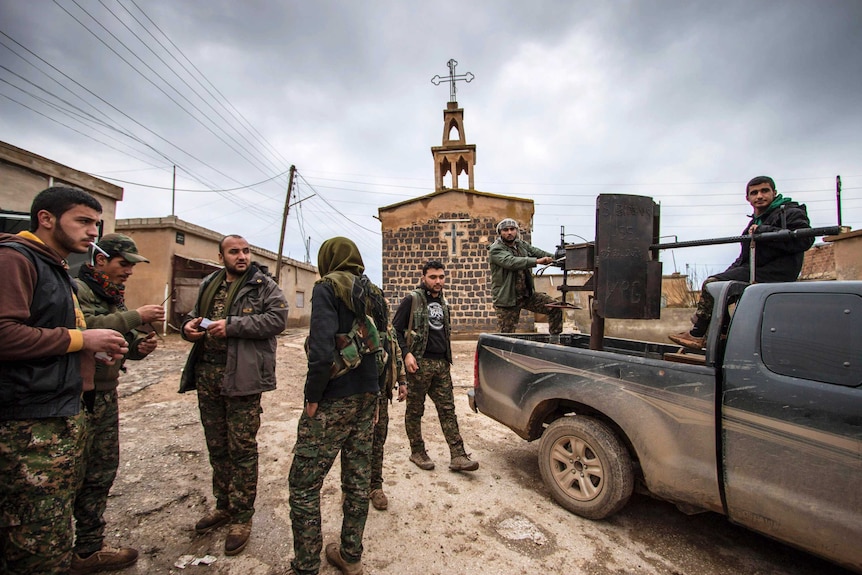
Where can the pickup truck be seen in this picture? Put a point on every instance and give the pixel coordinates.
(764, 427)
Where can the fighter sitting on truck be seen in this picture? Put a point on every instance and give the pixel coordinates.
(776, 261)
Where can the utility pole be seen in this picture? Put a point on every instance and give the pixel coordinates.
(284, 223)
(174, 193)
(838, 196)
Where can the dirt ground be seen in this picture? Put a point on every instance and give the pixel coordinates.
(499, 520)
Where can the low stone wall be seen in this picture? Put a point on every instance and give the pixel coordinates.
(673, 320)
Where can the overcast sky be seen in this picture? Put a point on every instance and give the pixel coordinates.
(680, 101)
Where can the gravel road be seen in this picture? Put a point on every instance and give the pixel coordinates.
(499, 520)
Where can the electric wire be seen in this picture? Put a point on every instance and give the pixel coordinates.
(224, 102)
(245, 187)
(239, 151)
(147, 45)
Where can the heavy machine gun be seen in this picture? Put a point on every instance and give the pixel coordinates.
(623, 259)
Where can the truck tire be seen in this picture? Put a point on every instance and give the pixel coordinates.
(586, 467)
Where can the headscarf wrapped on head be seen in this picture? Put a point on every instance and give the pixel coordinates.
(506, 223)
(340, 265)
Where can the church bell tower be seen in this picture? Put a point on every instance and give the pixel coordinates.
(455, 156)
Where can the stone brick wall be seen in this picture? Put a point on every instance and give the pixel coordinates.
(819, 263)
(455, 227)
(468, 275)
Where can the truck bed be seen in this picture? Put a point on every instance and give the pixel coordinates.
(631, 347)
(663, 410)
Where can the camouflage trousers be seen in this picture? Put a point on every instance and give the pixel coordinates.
(340, 425)
(230, 428)
(705, 303)
(381, 431)
(98, 469)
(432, 380)
(508, 317)
(38, 467)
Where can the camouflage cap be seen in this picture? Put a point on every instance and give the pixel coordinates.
(123, 246)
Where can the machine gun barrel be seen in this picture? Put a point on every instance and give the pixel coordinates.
(764, 237)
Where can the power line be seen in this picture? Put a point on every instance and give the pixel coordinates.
(245, 205)
(190, 190)
(175, 73)
(230, 108)
(336, 210)
(239, 151)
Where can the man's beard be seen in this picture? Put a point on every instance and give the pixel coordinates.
(234, 271)
(66, 241)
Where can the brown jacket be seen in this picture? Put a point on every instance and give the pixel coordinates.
(18, 339)
(257, 315)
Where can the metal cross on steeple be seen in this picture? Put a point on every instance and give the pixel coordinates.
(468, 77)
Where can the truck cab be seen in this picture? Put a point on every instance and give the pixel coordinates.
(791, 414)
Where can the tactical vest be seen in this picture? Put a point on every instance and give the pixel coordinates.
(46, 386)
(418, 334)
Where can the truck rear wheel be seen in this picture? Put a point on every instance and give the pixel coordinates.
(586, 467)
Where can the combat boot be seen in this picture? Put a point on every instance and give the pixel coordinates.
(106, 559)
(333, 555)
(685, 339)
(463, 463)
(422, 460)
(237, 538)
(379, 499)
(212, 520)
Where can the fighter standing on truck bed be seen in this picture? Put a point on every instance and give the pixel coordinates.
(512, 286)
(775, 261)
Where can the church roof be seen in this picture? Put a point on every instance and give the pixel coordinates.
(455, 190)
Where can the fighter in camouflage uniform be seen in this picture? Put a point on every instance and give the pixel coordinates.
(247, 311)
(101, 292)
(338, 414)
(393, 377)
(43, 354)
(511, 260)
(424, 335)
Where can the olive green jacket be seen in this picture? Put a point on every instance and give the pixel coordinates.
(99, 314)
(505, 264)
(256, 316)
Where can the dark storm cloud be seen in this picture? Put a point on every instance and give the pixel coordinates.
(680, 101)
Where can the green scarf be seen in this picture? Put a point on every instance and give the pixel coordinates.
(207, 296)
(340, 265)
(777, 202)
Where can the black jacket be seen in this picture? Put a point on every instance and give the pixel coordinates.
(329, 315)
(778, 260)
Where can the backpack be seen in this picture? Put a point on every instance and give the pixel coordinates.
(362, 339)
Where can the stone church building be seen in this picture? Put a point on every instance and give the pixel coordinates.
(455, 226)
